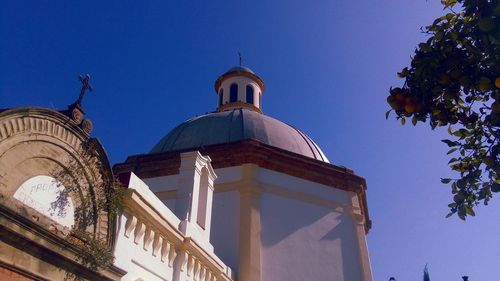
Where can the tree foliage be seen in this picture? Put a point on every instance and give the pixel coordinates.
(453, 81)
(426, 274)
(95, 199)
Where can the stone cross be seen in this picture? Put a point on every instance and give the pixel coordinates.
(239, 55)
(85, 87)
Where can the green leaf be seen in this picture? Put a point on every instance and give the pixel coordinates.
(454, 35)
(448, 3)
(451, 143)
(445, 180)
(414, 120)
(469, 210)
(461, 133)
(454, 187)
(461, 213)
(488, 161)
(461, 184)
(452, 78)
(387, 114)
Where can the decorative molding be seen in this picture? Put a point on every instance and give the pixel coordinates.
(55, 137)
(157, 243)
(140, 228)
(227, 75)
(130, 225)
(239, 104)
(172, 253)
(163, 246)
(148, 237)
(38, 243)
(40, 120)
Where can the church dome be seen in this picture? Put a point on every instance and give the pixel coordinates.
(236, 125)
(240, 69)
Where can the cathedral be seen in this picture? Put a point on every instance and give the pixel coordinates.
(229, 195)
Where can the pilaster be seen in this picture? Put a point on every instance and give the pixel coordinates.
(249, 268)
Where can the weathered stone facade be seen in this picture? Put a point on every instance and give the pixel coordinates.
(36, 142)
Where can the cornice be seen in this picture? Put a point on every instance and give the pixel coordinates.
(239, 104)
(254, 152)
(227, 75)
(26, 234)
(19, 120)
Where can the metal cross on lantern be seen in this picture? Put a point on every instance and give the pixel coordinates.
(85, 87)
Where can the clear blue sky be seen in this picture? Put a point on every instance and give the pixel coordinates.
(327, 66)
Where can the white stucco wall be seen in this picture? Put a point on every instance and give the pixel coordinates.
(225, 227)
(295, 185)
(307, 231)
(301, 241)
(164, 183)
(226, 216)
(228, 175)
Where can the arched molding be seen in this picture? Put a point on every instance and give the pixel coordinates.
(36, 141)
(41, 121)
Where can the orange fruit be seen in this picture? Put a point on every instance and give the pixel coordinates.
(485, 84)
(410, 107)
(400, 97)
(444, 79)
(495, 107)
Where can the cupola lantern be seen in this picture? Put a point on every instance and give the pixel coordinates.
(239, 87)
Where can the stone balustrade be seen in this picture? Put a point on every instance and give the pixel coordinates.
(150, 239)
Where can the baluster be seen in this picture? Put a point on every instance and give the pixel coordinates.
(190, 264)
(130, 224)
(171, 255)
(157, 243)
(203, 272)
(148, 237)
(165, 249)
(196, 273)
(139, 231)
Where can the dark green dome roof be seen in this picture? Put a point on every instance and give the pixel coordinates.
(235, 125)
(240, 69)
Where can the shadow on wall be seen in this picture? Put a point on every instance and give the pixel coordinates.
(349, 248)
(224, 234)
(302, 240)
(282, 217)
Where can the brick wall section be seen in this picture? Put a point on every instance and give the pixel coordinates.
(9, 275)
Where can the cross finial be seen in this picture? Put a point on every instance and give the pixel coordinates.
(239, 55)
(85, 87)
